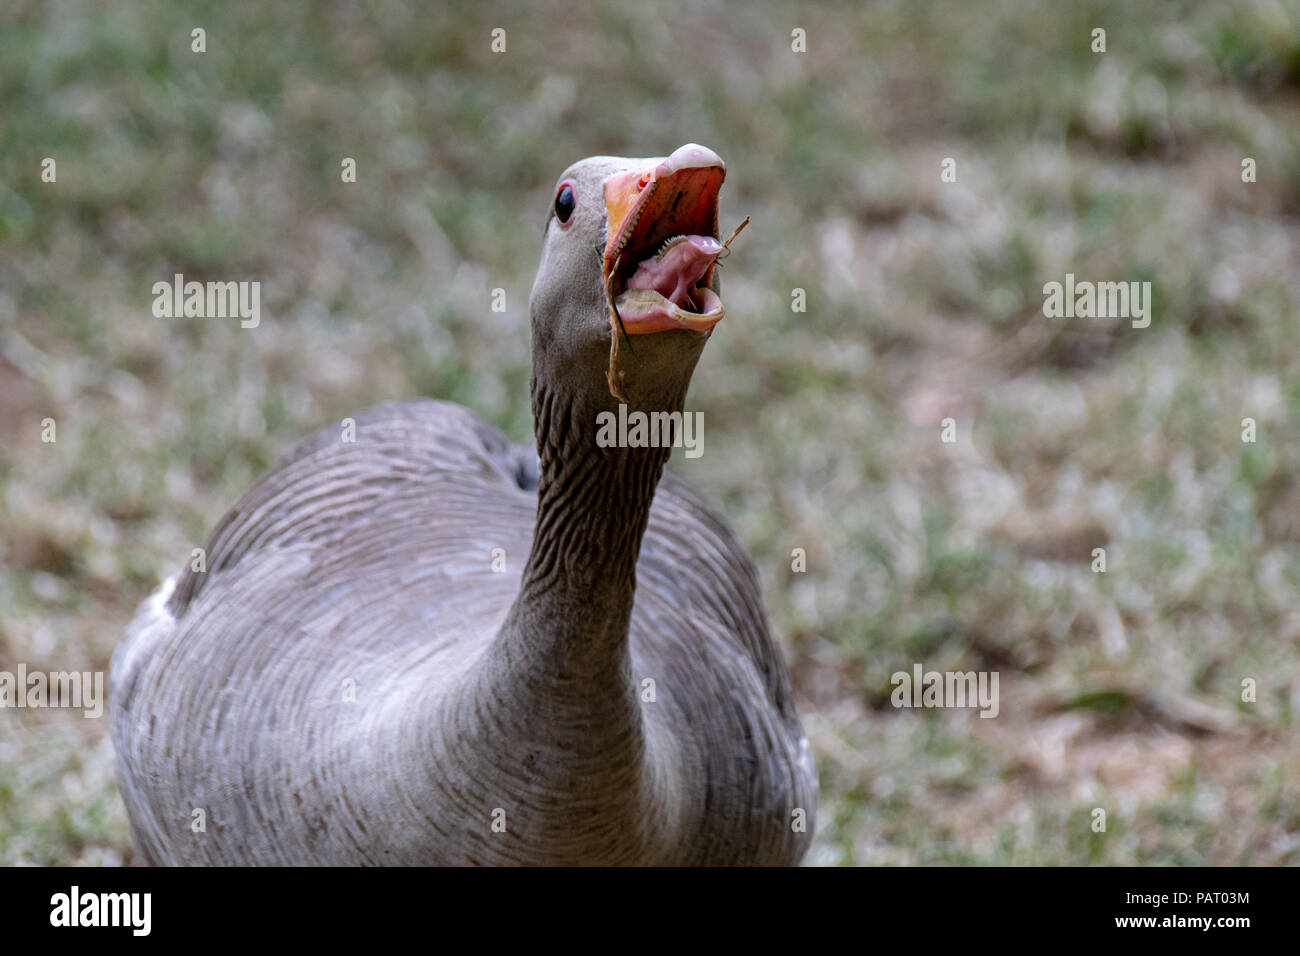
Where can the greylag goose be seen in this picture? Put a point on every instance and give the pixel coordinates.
(367, 672)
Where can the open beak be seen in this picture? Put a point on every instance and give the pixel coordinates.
(662, 246)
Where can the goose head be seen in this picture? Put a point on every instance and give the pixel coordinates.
(630, 248)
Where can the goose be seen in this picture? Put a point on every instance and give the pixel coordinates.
(368, 671)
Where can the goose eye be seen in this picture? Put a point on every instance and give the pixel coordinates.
(564, 203)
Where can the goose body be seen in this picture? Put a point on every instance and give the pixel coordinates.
(428, 646)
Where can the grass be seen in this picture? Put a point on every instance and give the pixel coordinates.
(1119, 691)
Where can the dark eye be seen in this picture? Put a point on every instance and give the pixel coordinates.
(564, 203)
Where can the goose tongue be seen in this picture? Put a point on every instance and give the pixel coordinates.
(677, 268)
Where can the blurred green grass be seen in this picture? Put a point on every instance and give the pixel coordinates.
(1119, 690)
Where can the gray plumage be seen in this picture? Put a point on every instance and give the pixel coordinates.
(351, 682)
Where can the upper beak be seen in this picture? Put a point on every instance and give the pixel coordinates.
(679, 194)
